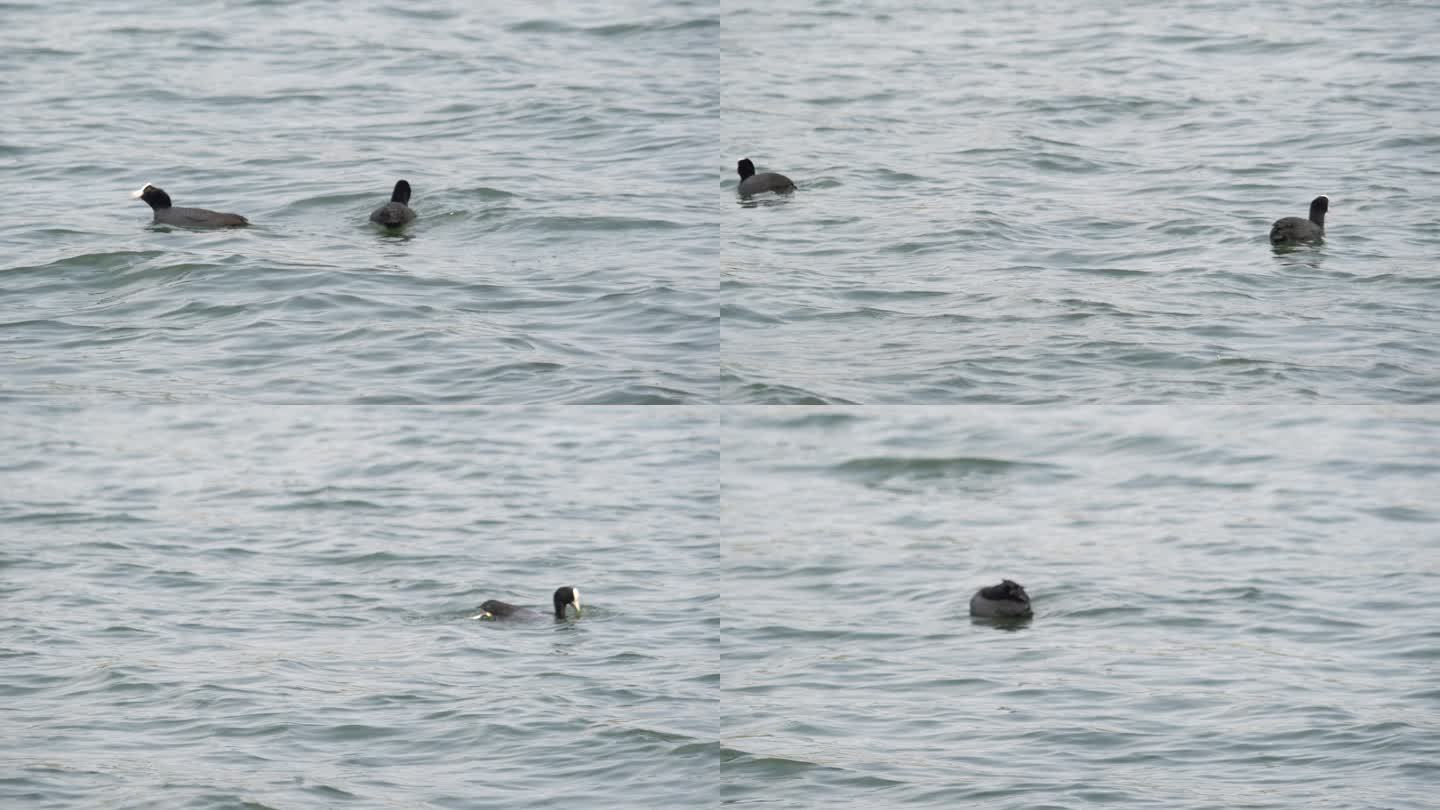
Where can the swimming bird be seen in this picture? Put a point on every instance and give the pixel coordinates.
(397, 212)
(1290, 230)
(752, 183)
(167, 214)
(1006, 600)
(495, 609)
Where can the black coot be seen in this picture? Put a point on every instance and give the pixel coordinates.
(495, 609)
(752, 183)
(397, 212)
(1292, 230)
(1006, 600)
(167, 214)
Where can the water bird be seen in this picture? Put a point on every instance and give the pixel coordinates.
(752, 183)
(495, 609)
(1291, 230)
(168, 214)
(397, 212)
(1006, 600)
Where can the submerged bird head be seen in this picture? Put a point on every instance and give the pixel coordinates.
(1007, 589)
(153, 196)
(745, 168)
(566, 596)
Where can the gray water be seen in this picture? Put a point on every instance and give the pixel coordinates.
(554, 259)
(255, 483)
(1232, 610)
(1042, 203)
(272, 608)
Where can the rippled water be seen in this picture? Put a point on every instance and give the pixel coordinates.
(1044, 203)
(1026, 267)
(553, 260)
(1231, 610)
(221, 609)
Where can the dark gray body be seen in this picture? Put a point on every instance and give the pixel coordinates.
(393, 214)
(198, 218)
(766, 181)
(1006, 600)
(505, 610)
(1293, 230)
(167, 214)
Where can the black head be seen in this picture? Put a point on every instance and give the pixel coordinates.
(566, 596)
(1008, 590)
(401, 194)
(745, 167)
(153, 197)
(1319, 205)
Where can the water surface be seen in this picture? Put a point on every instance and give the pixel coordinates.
(270, 608)
(1231, 610)
(553, 260)
(1041, 204)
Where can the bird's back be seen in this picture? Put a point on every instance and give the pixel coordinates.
(766, 181)
(392, 213)
(1294, 229)
(199, 218)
